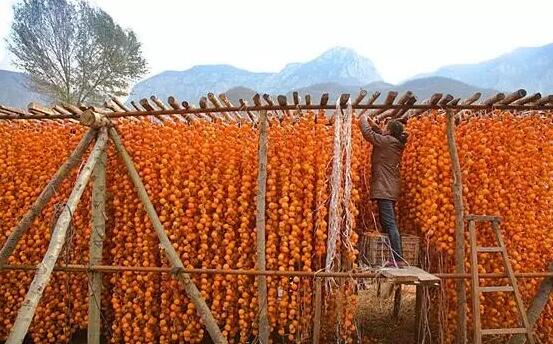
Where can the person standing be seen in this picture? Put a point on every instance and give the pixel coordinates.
(388, 146)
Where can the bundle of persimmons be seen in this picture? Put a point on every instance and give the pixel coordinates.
(202, 180)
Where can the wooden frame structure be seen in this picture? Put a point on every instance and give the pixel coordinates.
(100, 122)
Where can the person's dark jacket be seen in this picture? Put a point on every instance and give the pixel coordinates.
(385, 161)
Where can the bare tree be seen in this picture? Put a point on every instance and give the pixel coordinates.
(74, 52)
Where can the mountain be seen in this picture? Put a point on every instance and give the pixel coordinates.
(422, 88)
(14, 91)
(195, 82)
(339, 65)
(528, 68)
(236, 93)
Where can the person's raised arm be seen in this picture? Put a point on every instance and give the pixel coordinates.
(370, 130)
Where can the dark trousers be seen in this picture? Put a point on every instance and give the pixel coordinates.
(387, 216)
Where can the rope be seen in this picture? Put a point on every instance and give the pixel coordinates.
(335, 183)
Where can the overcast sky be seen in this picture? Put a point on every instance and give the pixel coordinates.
(402, 38)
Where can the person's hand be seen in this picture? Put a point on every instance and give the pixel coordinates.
(372, 122)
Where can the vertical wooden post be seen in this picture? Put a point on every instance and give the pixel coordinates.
(45, 196)
(477, 330)
(260, 228)
(418, 313)
(397, 302)
(170, 252)
(457, 188)
(44, 270)
(318, 311)
(96, 246)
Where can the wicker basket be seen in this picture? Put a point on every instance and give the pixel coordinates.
(375, 249)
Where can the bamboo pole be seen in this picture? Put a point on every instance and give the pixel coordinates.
(260, 228)
(172, 256)
(95, 251)
(45, 196)
(44, 271)
(457, 188)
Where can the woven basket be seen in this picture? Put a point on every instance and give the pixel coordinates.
(375, 249)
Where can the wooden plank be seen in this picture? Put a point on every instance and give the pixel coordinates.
(477, 326)
(483, 218)
(42, 277)
(496, 289)
(45, 196)
(260, 229)
(498, 331)
(489, 249)
(318, 310)
(95, 249)
(409, 274)
(457, 189)
(172, 255)
(512, 279)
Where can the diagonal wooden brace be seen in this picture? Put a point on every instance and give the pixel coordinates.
(44, 271)
(45, 196)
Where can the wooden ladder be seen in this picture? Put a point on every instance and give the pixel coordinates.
(477, 290)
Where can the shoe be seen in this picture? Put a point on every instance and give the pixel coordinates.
(390, 264)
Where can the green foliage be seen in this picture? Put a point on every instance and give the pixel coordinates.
(74, 52)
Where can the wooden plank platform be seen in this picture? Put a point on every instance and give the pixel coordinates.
(410, 275)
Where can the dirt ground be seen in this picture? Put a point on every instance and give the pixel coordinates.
(375, 320)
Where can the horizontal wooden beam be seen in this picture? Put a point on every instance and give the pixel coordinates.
(147, 269)
(544, 104)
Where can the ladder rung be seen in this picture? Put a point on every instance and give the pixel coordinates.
(496, 289)
(492, 331)
(483, 218)
(489, 249)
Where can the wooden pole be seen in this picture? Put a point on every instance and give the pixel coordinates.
(44, 271)
(95, 251)
(457, 188)
(260, 228)
(172, 256)
(418, 313)
(318, 310)
(538, 304)
(397, 302)
(45, 196)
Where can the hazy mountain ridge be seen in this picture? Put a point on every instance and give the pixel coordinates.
(528, 68)
(423, 88)
(340, 65)
(14, 90)
(338, 70)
